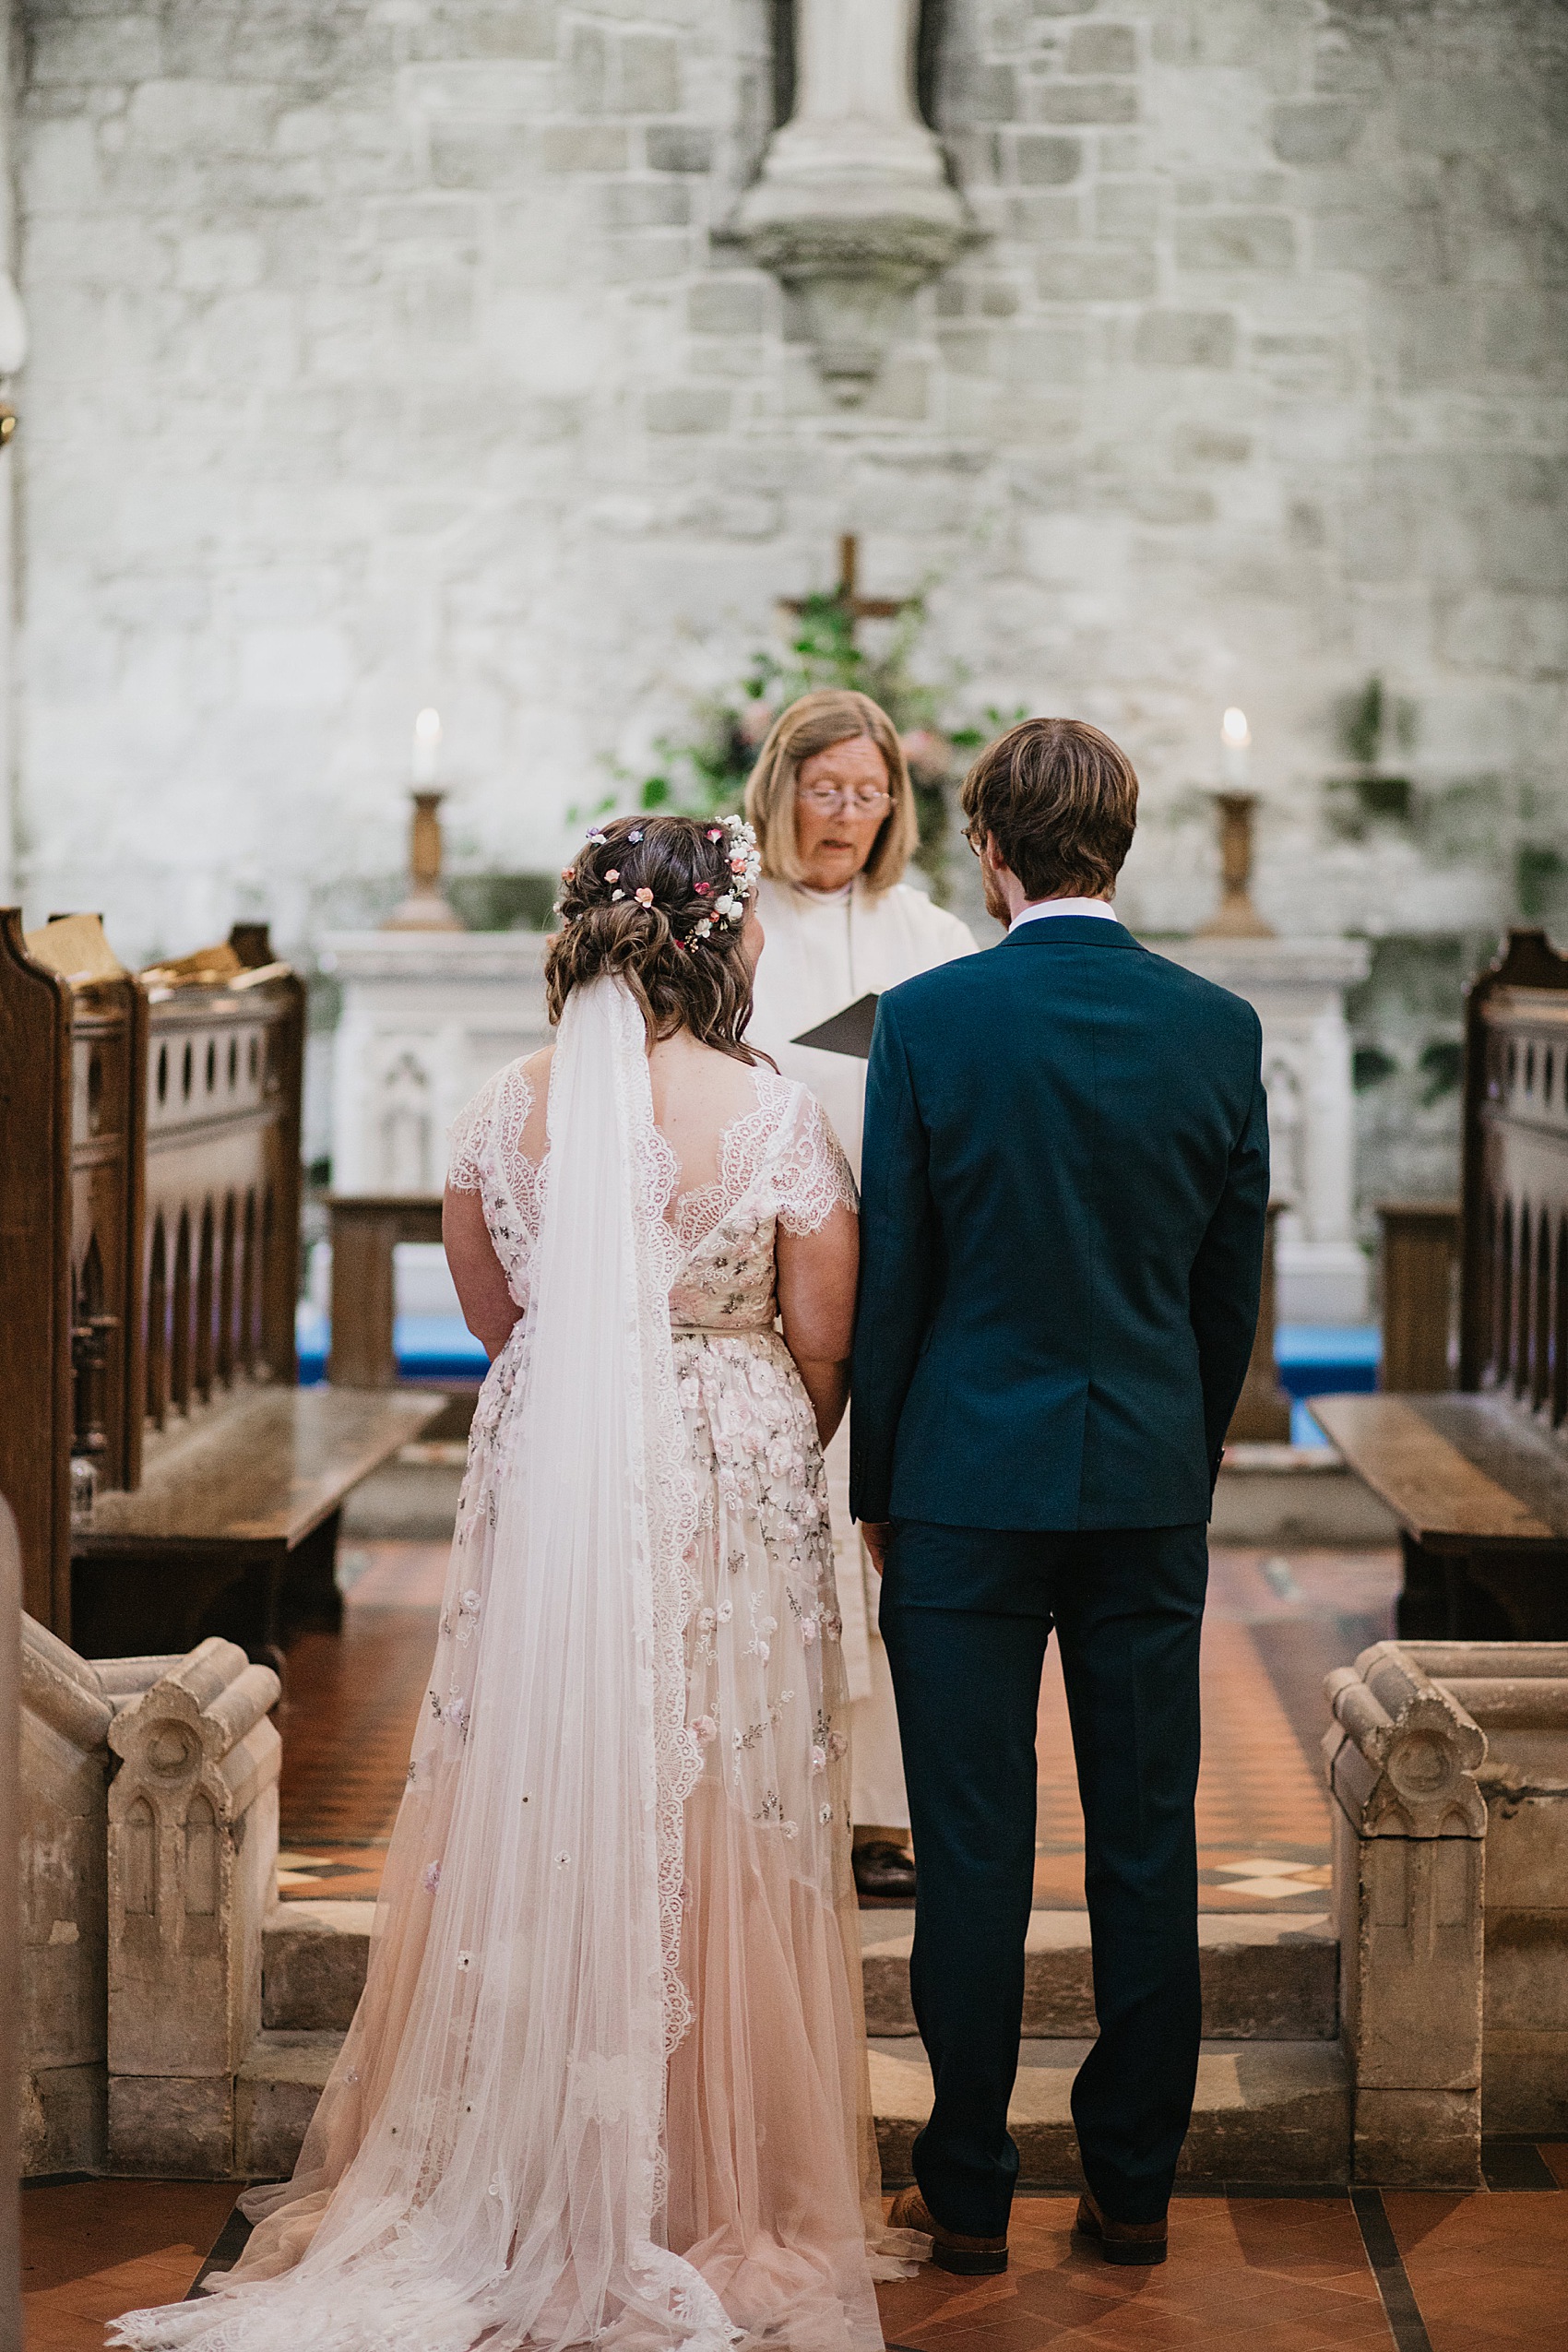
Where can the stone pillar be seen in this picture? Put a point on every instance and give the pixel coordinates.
(13, 352)
(1409, 1829)
(1296, 987)
(1517, 1692)
(64, 1778)
(853, 207)
(193, 1852)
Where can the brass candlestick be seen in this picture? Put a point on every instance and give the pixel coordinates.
(1236, 917)
(425, 907)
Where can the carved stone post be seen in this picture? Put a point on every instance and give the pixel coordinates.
(64, 1774)
(853, 207)
(1410, 1826)
(193, 1852)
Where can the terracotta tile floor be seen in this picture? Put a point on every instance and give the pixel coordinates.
(93, 2249)
(1486, 2273)
(1482, 2282)
(1275, 1626)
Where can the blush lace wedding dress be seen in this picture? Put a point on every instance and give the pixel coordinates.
(606, 2084)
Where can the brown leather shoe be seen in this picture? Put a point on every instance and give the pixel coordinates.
(883, 1873)
(966, 2257)
(1142, 2243)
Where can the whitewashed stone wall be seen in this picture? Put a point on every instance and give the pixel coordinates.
(388, 352)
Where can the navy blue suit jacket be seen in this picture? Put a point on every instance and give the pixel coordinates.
(1063, 1200)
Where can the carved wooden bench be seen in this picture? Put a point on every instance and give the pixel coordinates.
(1478, 1478)
(149, 1221)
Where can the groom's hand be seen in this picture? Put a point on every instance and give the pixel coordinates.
(873, 1535)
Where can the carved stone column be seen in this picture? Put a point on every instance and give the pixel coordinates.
(853, 207)
(1410, 1830)
(64, 1774)
(193, 1853)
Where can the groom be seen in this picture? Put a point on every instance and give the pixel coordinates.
(1063, 1200)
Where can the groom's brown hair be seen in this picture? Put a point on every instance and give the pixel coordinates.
(1062, 801)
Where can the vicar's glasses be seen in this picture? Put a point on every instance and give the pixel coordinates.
(826, 800)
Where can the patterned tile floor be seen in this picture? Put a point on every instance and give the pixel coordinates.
(1311, 2271)
(1274, 1628)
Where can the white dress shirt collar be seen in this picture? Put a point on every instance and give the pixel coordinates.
(1043, 907)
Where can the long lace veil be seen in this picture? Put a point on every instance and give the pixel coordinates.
(508, 2179)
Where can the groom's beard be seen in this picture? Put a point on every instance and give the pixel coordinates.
(996, 906)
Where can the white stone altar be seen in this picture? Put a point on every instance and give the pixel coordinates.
(428, 1015)
(1296, 987)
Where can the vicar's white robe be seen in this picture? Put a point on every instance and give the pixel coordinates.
(823, 953)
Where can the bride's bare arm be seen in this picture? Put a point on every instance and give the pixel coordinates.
(489, 1308)
(816, 1302)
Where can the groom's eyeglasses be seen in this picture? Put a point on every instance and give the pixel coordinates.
(828, 799)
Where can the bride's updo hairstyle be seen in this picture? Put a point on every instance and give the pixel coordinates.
(659, 901)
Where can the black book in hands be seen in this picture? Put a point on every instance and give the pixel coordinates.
(846, 1032)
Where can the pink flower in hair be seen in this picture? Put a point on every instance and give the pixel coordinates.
(644, 897)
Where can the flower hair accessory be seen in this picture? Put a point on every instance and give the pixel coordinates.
(725, 906)
(745, 860)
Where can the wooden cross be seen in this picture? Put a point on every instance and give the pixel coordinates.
(860, 607)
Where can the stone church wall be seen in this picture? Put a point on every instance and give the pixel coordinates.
(388, 351)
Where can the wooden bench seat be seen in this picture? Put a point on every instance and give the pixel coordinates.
(1481, 1498)
(1479, 1478)
(235, 1521)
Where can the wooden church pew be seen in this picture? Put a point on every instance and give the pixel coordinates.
(1479, 1478)
(150, 1218)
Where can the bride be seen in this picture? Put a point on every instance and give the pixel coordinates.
(607, 2083)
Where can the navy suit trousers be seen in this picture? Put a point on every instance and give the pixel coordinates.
(966, 1614)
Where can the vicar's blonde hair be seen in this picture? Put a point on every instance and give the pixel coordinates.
(832, 715)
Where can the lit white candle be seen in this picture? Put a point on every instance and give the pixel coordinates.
(427, 746)
(1235, 743)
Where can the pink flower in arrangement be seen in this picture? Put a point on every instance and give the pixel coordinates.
(705, 1731)
(715, 833)
(704, 889)
(633, 836)
(643, 898)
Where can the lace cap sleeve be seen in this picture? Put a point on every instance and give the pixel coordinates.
(470, 1133)
(810, 1175)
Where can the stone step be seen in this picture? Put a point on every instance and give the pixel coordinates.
(1270, 2111)
(1264, 1979)
(313, 1964)
(274, 2096)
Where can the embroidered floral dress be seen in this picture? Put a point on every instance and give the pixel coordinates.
(773, 2183)
(607, 2083)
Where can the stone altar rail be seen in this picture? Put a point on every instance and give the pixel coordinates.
(144, 1885)
(1447, 1763)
